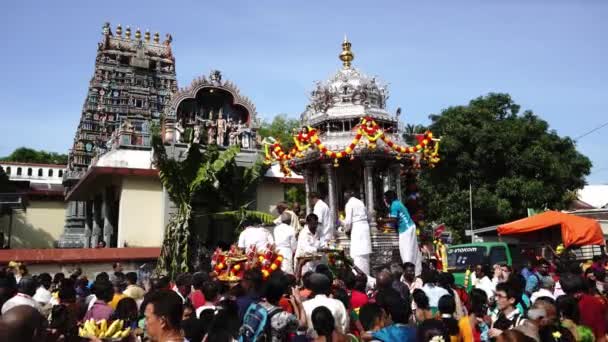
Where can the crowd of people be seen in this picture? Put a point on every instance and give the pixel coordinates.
(539, 302)
(307, 299)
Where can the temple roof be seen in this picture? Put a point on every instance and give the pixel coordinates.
(349, 93)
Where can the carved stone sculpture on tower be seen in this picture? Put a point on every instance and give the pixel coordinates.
(197, 134)
(221, 128)
(179, 130)
(210, 132)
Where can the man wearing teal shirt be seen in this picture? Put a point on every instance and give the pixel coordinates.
(408, 241)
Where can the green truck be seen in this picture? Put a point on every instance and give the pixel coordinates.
(461, 257)
(466, 256)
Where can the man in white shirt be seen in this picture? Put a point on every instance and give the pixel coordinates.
(26, 290)
(355, 222)
(257, 236)
(321, 286)
(285, 241)
(483, 282)
(547, 289)
(282, 207)
(430, 288)
(308, 242)
(326, 227)
(43, 295)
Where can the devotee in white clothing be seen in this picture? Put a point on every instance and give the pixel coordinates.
(308, 242)
(326, 227)
(26, 290)
(282, 207)
(256, 236)
(480, 280)
(285, 241)
(547, 288)
(355, 222)
(401, 219)
(321, 287)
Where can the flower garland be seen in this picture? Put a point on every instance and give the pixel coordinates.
(231, 265)
(368, 128)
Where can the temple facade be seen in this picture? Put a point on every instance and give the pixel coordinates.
(132, 83)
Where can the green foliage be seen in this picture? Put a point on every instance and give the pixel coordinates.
(513, 162)
(295, 193)
(281, 128)
(410, 132)
(208, 179)
(28, 155)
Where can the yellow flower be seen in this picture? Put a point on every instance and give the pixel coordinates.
(557, 335)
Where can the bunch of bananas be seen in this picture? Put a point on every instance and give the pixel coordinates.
(100, 329)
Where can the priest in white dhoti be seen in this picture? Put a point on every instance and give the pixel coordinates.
(399, 217)
(257, 236)
(326, 227)
(308, 243)
(356, 223)
(282, 207)
(285, 242)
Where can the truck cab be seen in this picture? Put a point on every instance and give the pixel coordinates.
(466, 256)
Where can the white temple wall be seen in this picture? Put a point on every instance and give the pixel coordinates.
(40, 226)
(269, 193)
(141, 212)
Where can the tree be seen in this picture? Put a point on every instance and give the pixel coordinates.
(28, 155)
(281, 128)
(410, 132)
(208, 174)
(512, 162)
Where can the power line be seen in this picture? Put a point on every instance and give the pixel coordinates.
(591, 131)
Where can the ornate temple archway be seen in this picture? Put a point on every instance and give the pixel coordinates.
(211, 111)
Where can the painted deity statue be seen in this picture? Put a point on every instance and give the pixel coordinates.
(211, 139)
(197, 134)
(179, 130)
(233, 133)
(221, 128)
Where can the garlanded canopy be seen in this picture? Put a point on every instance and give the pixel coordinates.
(308, 140)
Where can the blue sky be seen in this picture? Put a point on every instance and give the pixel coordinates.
(549, 55)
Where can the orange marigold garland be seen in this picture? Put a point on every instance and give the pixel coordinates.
(231, 265)
(309, 138)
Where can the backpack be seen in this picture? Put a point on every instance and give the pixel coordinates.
(256, 323)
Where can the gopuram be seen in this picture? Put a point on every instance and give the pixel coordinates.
(132, 83)
(349, 141)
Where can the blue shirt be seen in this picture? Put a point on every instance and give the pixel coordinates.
(395, 332)
(399, 211)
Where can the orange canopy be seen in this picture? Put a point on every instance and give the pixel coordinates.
(576, 230)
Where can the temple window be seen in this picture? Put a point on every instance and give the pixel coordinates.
(50, 172)
(40, 173)
(29, 171)
(60, 173)
(18, 171)
(8, 170)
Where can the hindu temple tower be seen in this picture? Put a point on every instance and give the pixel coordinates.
(132, 82)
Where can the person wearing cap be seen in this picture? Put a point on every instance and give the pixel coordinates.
(547, 288)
